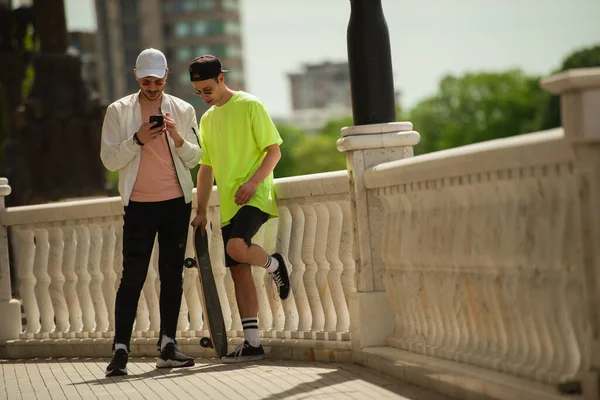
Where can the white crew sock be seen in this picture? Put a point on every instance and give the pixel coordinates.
(250, 326)
(272, 264)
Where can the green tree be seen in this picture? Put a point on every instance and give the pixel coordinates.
(292, 138)
(303, 153)
(477, 107)
(585, 58)
(318, 154)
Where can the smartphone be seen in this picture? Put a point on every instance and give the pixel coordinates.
(159, 119)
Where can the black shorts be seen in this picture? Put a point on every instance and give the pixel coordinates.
(244, 225)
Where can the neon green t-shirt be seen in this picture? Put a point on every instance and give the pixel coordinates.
(234, 138)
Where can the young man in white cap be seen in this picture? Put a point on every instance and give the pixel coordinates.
(154, 162)
(240, 146)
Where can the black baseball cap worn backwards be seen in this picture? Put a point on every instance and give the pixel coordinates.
(205, 67)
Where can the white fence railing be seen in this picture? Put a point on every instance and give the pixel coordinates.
(68, 261)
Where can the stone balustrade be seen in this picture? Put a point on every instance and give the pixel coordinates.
(68, 262)
(482, 247)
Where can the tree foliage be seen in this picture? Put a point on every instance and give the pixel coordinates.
(476, 107)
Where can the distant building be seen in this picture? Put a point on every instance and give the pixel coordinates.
(319, 93)
(182, 29)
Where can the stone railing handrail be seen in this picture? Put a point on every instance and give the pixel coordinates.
(484, 157)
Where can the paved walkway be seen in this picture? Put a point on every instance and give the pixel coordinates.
(270, 379)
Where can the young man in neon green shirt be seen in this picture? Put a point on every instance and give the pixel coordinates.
(240, 147)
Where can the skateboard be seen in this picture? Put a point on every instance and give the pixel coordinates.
(211, 305)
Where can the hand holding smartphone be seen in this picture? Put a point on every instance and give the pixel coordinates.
(156, 121)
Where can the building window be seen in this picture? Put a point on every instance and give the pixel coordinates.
(182, 29)
(184, 81)
(232, 27)
(217, 27)
(235, 76)
(201, 50)
(234, 51)
(230, 5)
(184, 54)
(218, 50)
(129, 8)
(201, 28)
(207, 5)
(188, 5)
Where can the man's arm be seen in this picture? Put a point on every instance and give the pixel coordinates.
(187, 145)
(203, 190)
(248, 189)
(114, 152)
(268, 165)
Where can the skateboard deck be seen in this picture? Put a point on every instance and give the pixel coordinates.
(211, 305)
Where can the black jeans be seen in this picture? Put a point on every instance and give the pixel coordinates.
(142, 221)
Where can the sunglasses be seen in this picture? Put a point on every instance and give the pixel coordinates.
(156, 83)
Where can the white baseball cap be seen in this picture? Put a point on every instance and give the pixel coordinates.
(151, 62)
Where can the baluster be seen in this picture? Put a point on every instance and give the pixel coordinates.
(190, 277)
(142, 318)
(297, 273)
(437, 276)
(110, 277)
(490, 256)
(118, 263)
(309, 278)
(42, 294)
(323, 268)
(271, 291)
(336, 220)
(57, 281)
(576, 309)
(346, 254)
(71, 280)
(151, 295)
(392, 256)
(451, 328)
(217, 257)
(24, 261)
(265, 319)
(84, 279)
(97, 278)
(284, 232)
(507, 220)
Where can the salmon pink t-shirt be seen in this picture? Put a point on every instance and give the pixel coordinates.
(156, 179)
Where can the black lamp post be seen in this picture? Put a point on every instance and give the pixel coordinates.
(370, 62)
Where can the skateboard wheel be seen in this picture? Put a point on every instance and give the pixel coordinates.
(189, 263)
(206, 342)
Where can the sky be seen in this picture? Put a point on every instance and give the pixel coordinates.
(429, 39)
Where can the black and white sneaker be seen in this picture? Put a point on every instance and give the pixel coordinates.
(281, 277)
(245, 352)
(171, 357)
(118, 364)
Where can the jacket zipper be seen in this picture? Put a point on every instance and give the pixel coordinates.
(172, 159)
(196, 136)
